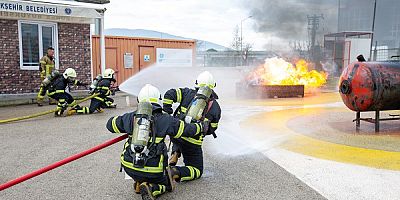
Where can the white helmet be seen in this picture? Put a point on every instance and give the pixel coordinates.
(108, 73)
(69, 73)
(150, 94)
(206, 79)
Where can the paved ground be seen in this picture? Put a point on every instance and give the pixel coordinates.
(232, 170)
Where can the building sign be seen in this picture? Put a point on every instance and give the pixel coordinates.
(51, 9)
(146, 58)
(128, 60)
(174, 57)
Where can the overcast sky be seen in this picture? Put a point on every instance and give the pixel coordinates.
(211, 20)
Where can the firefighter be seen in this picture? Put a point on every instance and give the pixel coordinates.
(56, 90)
(144, 157)
(101, 85)
(46, 68)
(191, 147)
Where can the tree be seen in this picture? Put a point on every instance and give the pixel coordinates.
(236, 39)
(246, 52)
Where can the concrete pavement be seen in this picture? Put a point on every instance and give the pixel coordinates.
(31, 144)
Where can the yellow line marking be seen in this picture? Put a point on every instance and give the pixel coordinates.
(275, 123)
(341, 153)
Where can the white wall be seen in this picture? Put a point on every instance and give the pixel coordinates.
(358, 46)
(174, 57)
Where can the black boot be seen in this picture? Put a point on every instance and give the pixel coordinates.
(173, 176)
(146, 191)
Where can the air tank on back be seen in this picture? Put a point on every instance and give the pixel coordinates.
(371, 86)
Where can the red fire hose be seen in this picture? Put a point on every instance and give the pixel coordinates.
(61, 162)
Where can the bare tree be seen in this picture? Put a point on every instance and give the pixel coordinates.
(236, 39)
(246, 52)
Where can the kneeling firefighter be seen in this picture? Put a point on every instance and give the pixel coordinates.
(56, 85)
(195, 105)
(101, 85)
(144, 157)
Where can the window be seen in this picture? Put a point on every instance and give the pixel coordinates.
(34, 39)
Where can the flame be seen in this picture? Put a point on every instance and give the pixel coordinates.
(277, 71)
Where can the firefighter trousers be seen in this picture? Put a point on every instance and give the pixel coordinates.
(192, 157)
(64, 99)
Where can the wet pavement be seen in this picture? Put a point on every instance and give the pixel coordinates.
(298, 148)
(31, 144)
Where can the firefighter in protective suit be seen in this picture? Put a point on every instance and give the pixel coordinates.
(101, 85)
(191, 147)
(47, 64)
(144, 157)
(56, 90)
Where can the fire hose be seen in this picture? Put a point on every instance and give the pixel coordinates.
(44, 113)
(61, 162)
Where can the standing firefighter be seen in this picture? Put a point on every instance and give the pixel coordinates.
(46, 68)
(56, 86)
(102, 86)
(195, 105)
(144, 157)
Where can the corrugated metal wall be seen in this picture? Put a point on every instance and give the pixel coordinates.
(117, 46)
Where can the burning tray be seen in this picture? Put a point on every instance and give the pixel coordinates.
(269, 91)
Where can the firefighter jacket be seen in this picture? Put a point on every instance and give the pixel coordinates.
(185, 96)
(60, 84)
(46, 66)
(164, 125)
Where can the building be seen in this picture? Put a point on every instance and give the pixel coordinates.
(357, 15)
(27, 28)
(344, 47)
(129, 55)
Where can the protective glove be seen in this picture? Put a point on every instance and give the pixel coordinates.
(168, 110)
(113, 92)
(79, 83)
(205, 126)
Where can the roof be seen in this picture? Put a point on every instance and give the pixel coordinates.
(65, 3)
(348, 34)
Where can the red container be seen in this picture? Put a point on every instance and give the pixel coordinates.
(371, 86)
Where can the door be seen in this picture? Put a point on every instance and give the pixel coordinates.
(147, 57)
(111, 62)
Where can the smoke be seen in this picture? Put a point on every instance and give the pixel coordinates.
(287, 20)
(165, 78)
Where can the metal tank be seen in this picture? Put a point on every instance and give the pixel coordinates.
(371, 86)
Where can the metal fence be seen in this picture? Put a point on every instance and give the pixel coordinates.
(231, 58)
(385, 54)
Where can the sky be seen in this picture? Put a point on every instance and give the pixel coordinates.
(199, 19)
(211, 20)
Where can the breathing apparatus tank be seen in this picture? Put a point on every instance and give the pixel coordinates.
(199, 103)
(94, 84)
(49, 78)
(47, 81)
(141, 133)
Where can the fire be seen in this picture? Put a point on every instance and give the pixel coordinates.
(277, 71)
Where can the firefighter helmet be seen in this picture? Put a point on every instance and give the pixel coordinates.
(69, 73)
(150, 94)
(206, 79)
(108, 73)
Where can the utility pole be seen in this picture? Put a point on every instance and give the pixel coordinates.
(241, 38)
(373, 31)
(313, 26)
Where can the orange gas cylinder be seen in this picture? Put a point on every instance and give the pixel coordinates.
(371, 86)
